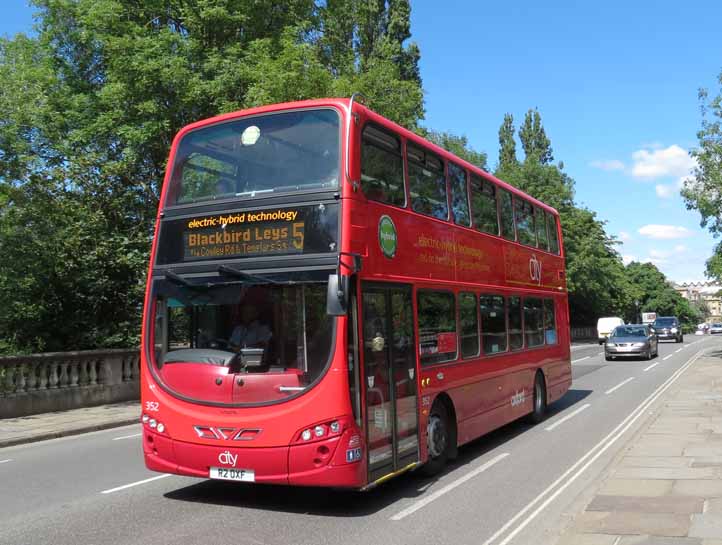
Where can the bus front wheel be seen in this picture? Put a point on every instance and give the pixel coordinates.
(540, 400)
(438, 439)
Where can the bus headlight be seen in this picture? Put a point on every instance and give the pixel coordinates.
(145, 419)
(319, 431)
(161, 427)
(153, 423)
(306, 435)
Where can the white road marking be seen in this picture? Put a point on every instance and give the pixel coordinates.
(600, 447)
(567, 417)
(619, 385)
(678, 350)
(111, 490)
(581, 359)
(651, 366)
(6, 461)
(461, 480)
(127, 436)
(665, 358)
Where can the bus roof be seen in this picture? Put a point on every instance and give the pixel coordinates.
(342, 104)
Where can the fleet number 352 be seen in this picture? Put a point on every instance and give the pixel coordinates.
(152, 406)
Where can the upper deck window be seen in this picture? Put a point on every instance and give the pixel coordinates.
(553, 235)
(483, 206)
(427, 183)
(541, 229)
(382, 167)
(459, 196)
(506, 214)
(249, 157)
(524, 214)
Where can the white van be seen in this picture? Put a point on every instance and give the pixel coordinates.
(605, 326)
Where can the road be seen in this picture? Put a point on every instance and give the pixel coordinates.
(517, 485)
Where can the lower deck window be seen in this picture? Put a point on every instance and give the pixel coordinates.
(437, 327)
(493, 323)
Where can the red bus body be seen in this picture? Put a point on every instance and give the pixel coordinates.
(202, 425)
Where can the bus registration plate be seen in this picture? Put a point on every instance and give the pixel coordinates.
(233, 474)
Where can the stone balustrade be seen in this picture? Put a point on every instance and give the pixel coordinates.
(57, 381)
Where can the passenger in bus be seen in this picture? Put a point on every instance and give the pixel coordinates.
(251, 332)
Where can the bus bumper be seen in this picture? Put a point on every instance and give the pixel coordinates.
(321, 463)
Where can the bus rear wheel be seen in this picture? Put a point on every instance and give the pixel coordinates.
(539, 409)
(438, 440)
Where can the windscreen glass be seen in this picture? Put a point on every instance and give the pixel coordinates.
(266, 342)
(665, 322)
(626, 331)
(271, 153)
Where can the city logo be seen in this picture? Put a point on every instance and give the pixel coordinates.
(518, 398)
(387, 236)
(228, 459)
(535, 269)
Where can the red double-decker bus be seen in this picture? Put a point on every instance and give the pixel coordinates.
(333, 300)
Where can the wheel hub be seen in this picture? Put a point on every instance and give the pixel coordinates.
(437, 436)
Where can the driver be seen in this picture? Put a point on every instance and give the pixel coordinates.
(250, 333)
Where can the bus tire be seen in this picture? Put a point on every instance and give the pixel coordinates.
(438, 433)
(539, 401)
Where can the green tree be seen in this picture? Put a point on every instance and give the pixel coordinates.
(534, 140)
(507, 145)
(88, 110)
(459, 146)
(652, 292)
(704, 192)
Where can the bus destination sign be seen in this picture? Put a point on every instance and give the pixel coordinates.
(243, 234)
(255, 233)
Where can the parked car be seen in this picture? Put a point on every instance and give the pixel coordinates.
(668, 327)
(715, 328)
(702, 329)
(605, 327)
(631, 340)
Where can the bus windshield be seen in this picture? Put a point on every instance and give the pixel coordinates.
(253, 156)
(278, 331)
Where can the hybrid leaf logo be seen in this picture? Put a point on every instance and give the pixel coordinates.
(387, 236)
(228, 459)
(535, 267)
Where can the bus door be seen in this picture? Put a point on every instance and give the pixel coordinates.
(389, 378)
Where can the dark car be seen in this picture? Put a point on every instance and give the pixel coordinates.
(669, 328)
(631, 340)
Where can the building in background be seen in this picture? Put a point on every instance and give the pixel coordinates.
(708, 293)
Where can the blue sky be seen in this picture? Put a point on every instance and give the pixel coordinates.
(615, 82)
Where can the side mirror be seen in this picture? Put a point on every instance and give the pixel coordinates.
(337, 295)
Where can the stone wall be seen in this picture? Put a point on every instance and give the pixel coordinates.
(58, 381)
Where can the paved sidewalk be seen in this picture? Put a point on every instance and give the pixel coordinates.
(665, 488)
(38, 427)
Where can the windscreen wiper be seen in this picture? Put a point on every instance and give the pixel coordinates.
(251, 278)
(178, 279)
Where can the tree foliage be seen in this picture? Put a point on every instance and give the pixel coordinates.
(88, 110)
(649, 291)
(459, 146)
(704, 192)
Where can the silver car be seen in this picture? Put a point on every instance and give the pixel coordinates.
(631, 341)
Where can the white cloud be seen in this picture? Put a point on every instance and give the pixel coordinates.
(664, 232)
(664, 191)
(679, 248)
(670, 161)
(658, 254)
(627, 259)
(624, 236)
(611, 164)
